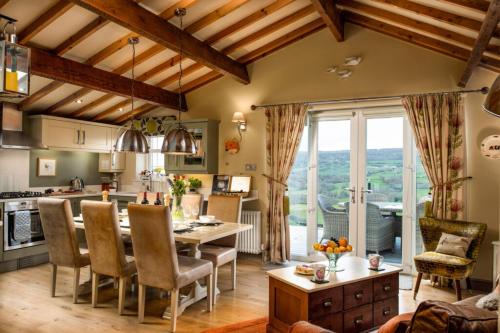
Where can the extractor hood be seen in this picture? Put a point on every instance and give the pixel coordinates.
(11, 130)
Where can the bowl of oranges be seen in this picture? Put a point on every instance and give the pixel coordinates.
(333, 249)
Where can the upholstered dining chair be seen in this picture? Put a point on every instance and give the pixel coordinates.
(444, 265)
(223, 251)
(195, 202)
(158, 264)
(107, 254)
(60, 236)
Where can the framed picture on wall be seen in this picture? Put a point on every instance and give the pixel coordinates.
(46, 167)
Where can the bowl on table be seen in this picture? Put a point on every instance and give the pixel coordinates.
(207, 218)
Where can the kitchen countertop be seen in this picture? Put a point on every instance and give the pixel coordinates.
(74, 195)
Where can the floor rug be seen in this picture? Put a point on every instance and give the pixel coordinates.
(249, 326)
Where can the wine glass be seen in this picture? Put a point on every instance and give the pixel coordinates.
(195, 210)
(186, 210)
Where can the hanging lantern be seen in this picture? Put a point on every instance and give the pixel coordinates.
(492, 102)
(14, 64)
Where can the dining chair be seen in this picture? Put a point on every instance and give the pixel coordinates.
(107, 254)
(60, 236)
(224, 250)
(158, 264)
(194, 201)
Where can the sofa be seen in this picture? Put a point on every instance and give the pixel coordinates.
(431, 317)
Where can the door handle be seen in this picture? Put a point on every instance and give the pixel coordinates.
(363, 191)
(83, 137)
(353, 193)
(78, 138)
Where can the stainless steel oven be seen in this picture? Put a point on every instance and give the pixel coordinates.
(22, 226)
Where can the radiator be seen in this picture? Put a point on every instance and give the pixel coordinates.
(249, 241)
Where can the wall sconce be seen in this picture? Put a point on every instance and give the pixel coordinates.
(239, 119)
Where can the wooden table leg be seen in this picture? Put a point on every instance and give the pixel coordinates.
(194, 292)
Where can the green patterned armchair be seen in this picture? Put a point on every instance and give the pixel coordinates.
(444, 265)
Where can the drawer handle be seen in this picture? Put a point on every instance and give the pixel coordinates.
(327, 303)
(358, 321)
(358, 295)
(387, 287)
(386, 312)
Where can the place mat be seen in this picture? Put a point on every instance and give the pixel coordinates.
(320, 282)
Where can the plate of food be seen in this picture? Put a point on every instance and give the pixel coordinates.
(304, 269)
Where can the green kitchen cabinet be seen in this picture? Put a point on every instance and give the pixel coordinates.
(206, 135)
(122, 200)
(75, 203)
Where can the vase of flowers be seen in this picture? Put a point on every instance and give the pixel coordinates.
(333, 250)
(178, 189)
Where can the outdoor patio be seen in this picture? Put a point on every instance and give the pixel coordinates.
(298, 242)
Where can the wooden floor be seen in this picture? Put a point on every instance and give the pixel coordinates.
(25, 304)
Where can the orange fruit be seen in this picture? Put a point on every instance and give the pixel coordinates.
(342, 248)
(332, 244)
(316, 246)
(329, 250)
(343, 241)
(349, 248)
(336, 250)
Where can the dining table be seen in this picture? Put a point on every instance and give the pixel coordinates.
(192, 234)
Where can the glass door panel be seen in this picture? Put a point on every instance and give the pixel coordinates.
(333, 178)
(297, 192)
(382, 191)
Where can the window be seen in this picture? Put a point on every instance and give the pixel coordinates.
(156, 160)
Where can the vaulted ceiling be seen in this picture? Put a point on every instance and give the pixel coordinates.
(87, 41)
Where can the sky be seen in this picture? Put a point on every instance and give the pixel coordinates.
(335, 134)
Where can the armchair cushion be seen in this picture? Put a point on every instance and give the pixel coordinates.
(445, 265)
(305, 327)
(439, 317)
(453, 245)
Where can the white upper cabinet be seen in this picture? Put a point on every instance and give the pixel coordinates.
(68, 134)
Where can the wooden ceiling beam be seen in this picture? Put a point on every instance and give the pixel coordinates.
(250, 19)
(331, 16)
(168, 13)
(3, 3)
(437, 14)
(215, 15)
(143, 109)
(80, 35)
(64, 70)
(301, 13)
(361, 8)
(111, 110)
(418, 39)
(479, 5)
(143, 22)
(52, 14)
(490, 23)
(91, 105)
(34, 97)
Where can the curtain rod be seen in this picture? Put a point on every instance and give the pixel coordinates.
(483, 90)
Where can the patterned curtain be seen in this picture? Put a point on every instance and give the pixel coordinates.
(437, 121)
(285, 124)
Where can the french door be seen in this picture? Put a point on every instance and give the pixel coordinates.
(355, 176)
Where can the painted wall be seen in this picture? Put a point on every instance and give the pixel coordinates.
(390, 67)
(68, 165)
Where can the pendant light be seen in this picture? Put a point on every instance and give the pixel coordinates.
(492, 102)
(132, 140)
(179, 141)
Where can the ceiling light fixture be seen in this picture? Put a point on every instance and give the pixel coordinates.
(179, 141)
(344, 73)
(132, 140)
(492, 102)
(79, 101)
(352, 61)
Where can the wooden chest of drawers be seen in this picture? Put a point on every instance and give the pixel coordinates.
(343, 306)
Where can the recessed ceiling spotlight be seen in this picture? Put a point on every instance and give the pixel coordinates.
(332, 69)
(352, 61)
(120, 109)
(79, 101)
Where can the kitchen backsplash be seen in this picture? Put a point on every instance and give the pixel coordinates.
(14, 170)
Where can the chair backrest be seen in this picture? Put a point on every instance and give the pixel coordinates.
(376, 197)
(193, 200)
(226, 209)
(59, 231)
(102, 230)
(432, 229)
(154, 245)
(150, 195)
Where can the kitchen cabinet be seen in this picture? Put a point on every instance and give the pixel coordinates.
(75, 203)
(69, 134)
(122, 200)
(206, 135)
(112, 162)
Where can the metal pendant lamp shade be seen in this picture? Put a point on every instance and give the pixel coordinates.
(492, 102)
(178, 140)
(132, 140)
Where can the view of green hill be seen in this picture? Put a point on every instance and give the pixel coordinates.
(384, 174)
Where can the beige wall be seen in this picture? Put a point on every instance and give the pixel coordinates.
(390, 67)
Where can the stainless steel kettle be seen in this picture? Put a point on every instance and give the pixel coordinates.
(76, 184)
